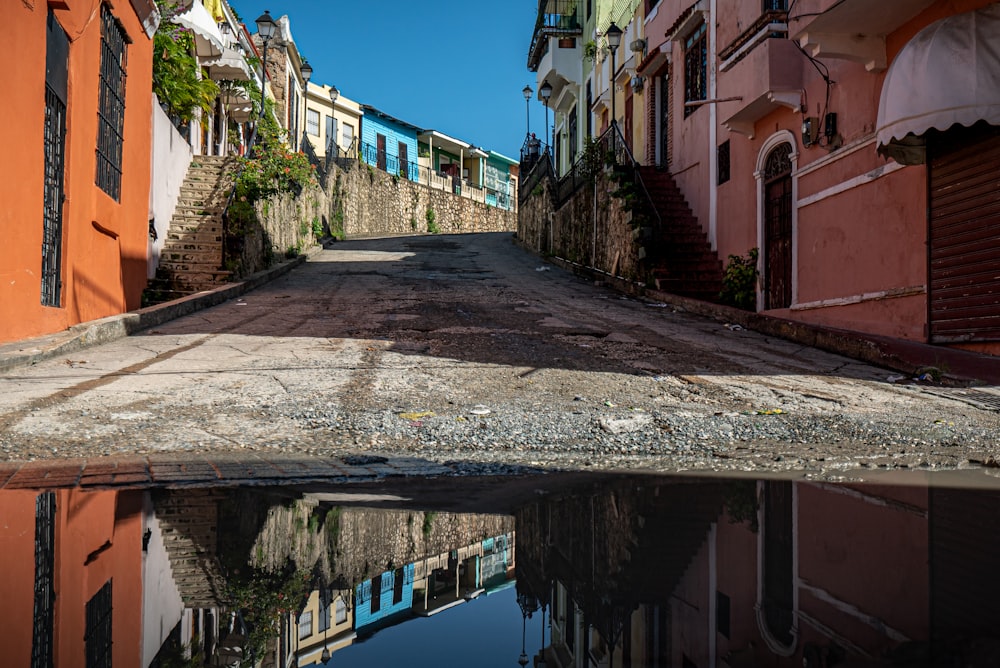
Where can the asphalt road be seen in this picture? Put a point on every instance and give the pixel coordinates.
(465, 348)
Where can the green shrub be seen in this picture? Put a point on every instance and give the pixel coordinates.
(432, 226)
(739, 281)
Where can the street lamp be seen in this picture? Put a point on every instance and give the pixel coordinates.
(332, 139)
(266, 28)
(614, 37)
(546, 92)
(527, 110)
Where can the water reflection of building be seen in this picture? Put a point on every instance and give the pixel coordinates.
(765, 574)
(72, 577)
(335, 618)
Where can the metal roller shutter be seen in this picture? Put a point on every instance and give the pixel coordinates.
(964, 201)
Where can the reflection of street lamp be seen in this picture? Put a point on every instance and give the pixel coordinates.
(528, 605)
(527, 110)
(325, 655)
(541, 651)
(266, 28)
(614, 37)
(546, 92)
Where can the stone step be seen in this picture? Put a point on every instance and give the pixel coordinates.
(200, 225)
(192, 209)
(175, 258)
(175, 246)
(193, 239)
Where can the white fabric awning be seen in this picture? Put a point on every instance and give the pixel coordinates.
(948, 73)
(207, 38)
(229, 66)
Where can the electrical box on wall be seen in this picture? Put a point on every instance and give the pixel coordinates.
(830, 125)
(810, 130)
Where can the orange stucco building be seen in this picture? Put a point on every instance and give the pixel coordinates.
(72, 579)
(77, 174)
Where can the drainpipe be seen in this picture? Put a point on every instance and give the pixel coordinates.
(713, 130)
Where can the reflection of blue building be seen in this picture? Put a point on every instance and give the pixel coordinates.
(383, 596)
(498, 558)
(389, 143)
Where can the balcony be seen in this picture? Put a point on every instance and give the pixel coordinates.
(766, 78)
(852, 30)
(556, 18)
(561, 65)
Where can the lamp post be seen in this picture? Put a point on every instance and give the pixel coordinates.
(614, 37)
(266, 28)
(528, 605)
(332, 139)
(546, 92)
(527, 110)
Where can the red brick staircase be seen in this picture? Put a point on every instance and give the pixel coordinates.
(191, 259)
(682, 260)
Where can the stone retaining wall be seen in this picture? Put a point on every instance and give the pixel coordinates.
(355, 200)
(569, 232)
(370, 202)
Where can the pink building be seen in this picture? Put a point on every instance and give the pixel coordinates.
(855, 147)
(854, 144)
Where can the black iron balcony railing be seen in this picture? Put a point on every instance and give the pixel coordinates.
(555, 17)
(500, 197)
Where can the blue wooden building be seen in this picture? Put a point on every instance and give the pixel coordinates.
(389, 144)
(384, 596)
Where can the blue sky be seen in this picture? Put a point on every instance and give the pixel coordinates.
(450, 65)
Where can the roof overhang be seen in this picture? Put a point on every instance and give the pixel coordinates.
(444, 142)
(208, 40)
(654, 60)
(230, 65)
(948, 74)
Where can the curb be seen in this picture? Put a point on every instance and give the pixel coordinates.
(961, 368)
(111, 328)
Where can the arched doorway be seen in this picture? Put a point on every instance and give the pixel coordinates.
(777, 224)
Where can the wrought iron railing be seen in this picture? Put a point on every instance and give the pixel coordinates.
(536, 171)
(555, 17)
(391, 164)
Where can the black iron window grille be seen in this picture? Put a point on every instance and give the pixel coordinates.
(722, 162)
(55, 141)
(98, 632)
(45, 558)
(111, 113)
(775, 5)
(54, 137)
(323, 618)
(695, 68)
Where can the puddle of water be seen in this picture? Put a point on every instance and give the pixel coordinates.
(623, 571)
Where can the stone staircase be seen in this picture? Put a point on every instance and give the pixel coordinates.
(191, 259)
(682, 260)
(189, 524)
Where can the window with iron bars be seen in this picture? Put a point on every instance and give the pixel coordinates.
(45, 597)
(97, 636)
(722, 163)
(695, 68)
(56, 75)
(111, 113)
(775, 5)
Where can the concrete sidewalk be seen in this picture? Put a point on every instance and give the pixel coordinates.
(96, 332)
